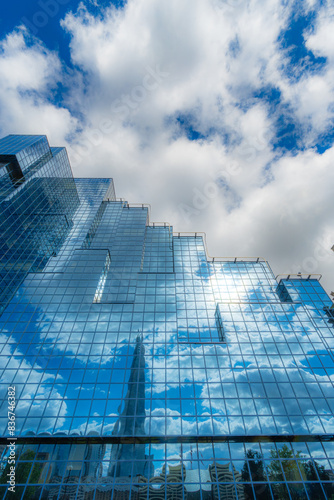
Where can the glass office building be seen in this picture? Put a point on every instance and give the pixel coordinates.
(142, 368)
(38, 199)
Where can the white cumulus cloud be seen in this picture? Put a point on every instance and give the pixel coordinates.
(152, 77)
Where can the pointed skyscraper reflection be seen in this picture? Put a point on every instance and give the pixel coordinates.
(132, 422)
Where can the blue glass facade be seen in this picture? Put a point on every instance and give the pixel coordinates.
(144, 369)
(38, 199)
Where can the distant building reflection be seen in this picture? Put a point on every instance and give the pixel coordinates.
(223, 487)
(98, 471)
(132, 423)
(78, 471)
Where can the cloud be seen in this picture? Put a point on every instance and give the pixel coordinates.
(321, 39)
(30, 75)
(195, 109)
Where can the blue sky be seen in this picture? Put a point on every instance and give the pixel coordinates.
(46, 26)
(219, 113)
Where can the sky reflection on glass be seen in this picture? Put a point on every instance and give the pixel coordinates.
(129, 332)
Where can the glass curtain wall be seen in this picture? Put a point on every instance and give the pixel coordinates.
(141, 368)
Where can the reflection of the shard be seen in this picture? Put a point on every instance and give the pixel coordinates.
(132, 419)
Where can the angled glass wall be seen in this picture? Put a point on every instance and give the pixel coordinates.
(38, 199)
(144, 369)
